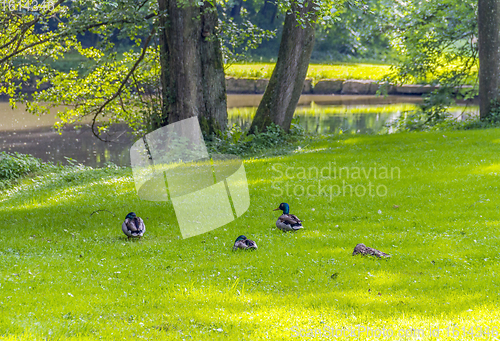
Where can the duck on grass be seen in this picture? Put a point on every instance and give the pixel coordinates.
(133, 226)
(244, 243)
(287, 221)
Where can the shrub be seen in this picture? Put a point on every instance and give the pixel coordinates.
(15, 165)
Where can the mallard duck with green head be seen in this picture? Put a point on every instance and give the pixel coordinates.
(244, 243)
(133, 226)
(287, 221)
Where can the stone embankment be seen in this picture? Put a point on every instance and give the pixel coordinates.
(328, 87)
(322, 87)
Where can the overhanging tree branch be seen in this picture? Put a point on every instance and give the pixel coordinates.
(122, 85)
(66, 34)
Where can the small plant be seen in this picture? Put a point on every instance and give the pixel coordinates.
(494, 117)
(296, 129)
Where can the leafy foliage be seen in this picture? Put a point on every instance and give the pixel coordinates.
(437, 44)
(107, 86)
(106, 89)
(357, 32)
(16, 165)
(238, 38)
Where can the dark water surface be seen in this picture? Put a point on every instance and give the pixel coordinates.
(322, 114)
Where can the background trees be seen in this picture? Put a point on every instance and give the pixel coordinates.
(106, 84)
(151, 62)
(171, 69)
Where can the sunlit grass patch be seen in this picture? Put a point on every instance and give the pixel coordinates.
(316, 71)
(361, 71)
(68, 272)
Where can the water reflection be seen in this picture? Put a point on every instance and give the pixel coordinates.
(25, 133)
(334, 119)
(80, 145)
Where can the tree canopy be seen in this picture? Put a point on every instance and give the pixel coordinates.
(118, 45)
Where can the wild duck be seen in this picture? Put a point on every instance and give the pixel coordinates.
(244, 243)
(287, 221)
(133, 226)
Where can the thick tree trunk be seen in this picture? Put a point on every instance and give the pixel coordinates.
(213, 81)
(285, 86)
(192, 70)
(161, 119)
(489, 55)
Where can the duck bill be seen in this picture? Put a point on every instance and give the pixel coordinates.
(277, 209)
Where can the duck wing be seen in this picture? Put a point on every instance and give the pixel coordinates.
(289, 219)
(250, 244)
(239, 244)
(139, 224)
(131, 226)
(125, 228)
(244, 244)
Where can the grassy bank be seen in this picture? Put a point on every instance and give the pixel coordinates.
(264, 70)
(68, 272)
(316, 71)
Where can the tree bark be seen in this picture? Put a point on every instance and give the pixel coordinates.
(214, 105)
(192, 70)
(285, 86)
(489, 55)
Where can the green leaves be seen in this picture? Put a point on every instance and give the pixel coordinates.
(32, 45)
(238, 38)
(436, 42)
(15, 165)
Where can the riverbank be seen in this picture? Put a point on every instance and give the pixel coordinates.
(69, 272)
(331, 87)
(317, 114)
(236, 86)
(322, 79)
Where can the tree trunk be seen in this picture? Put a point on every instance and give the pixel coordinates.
(489, 55)
(192, 70)
(285, 86)
(214, 105)
(161, 119)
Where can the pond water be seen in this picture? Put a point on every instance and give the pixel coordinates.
(321, 114)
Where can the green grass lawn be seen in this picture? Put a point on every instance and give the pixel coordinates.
(316, 71)
(264, 70)
(69, 274)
